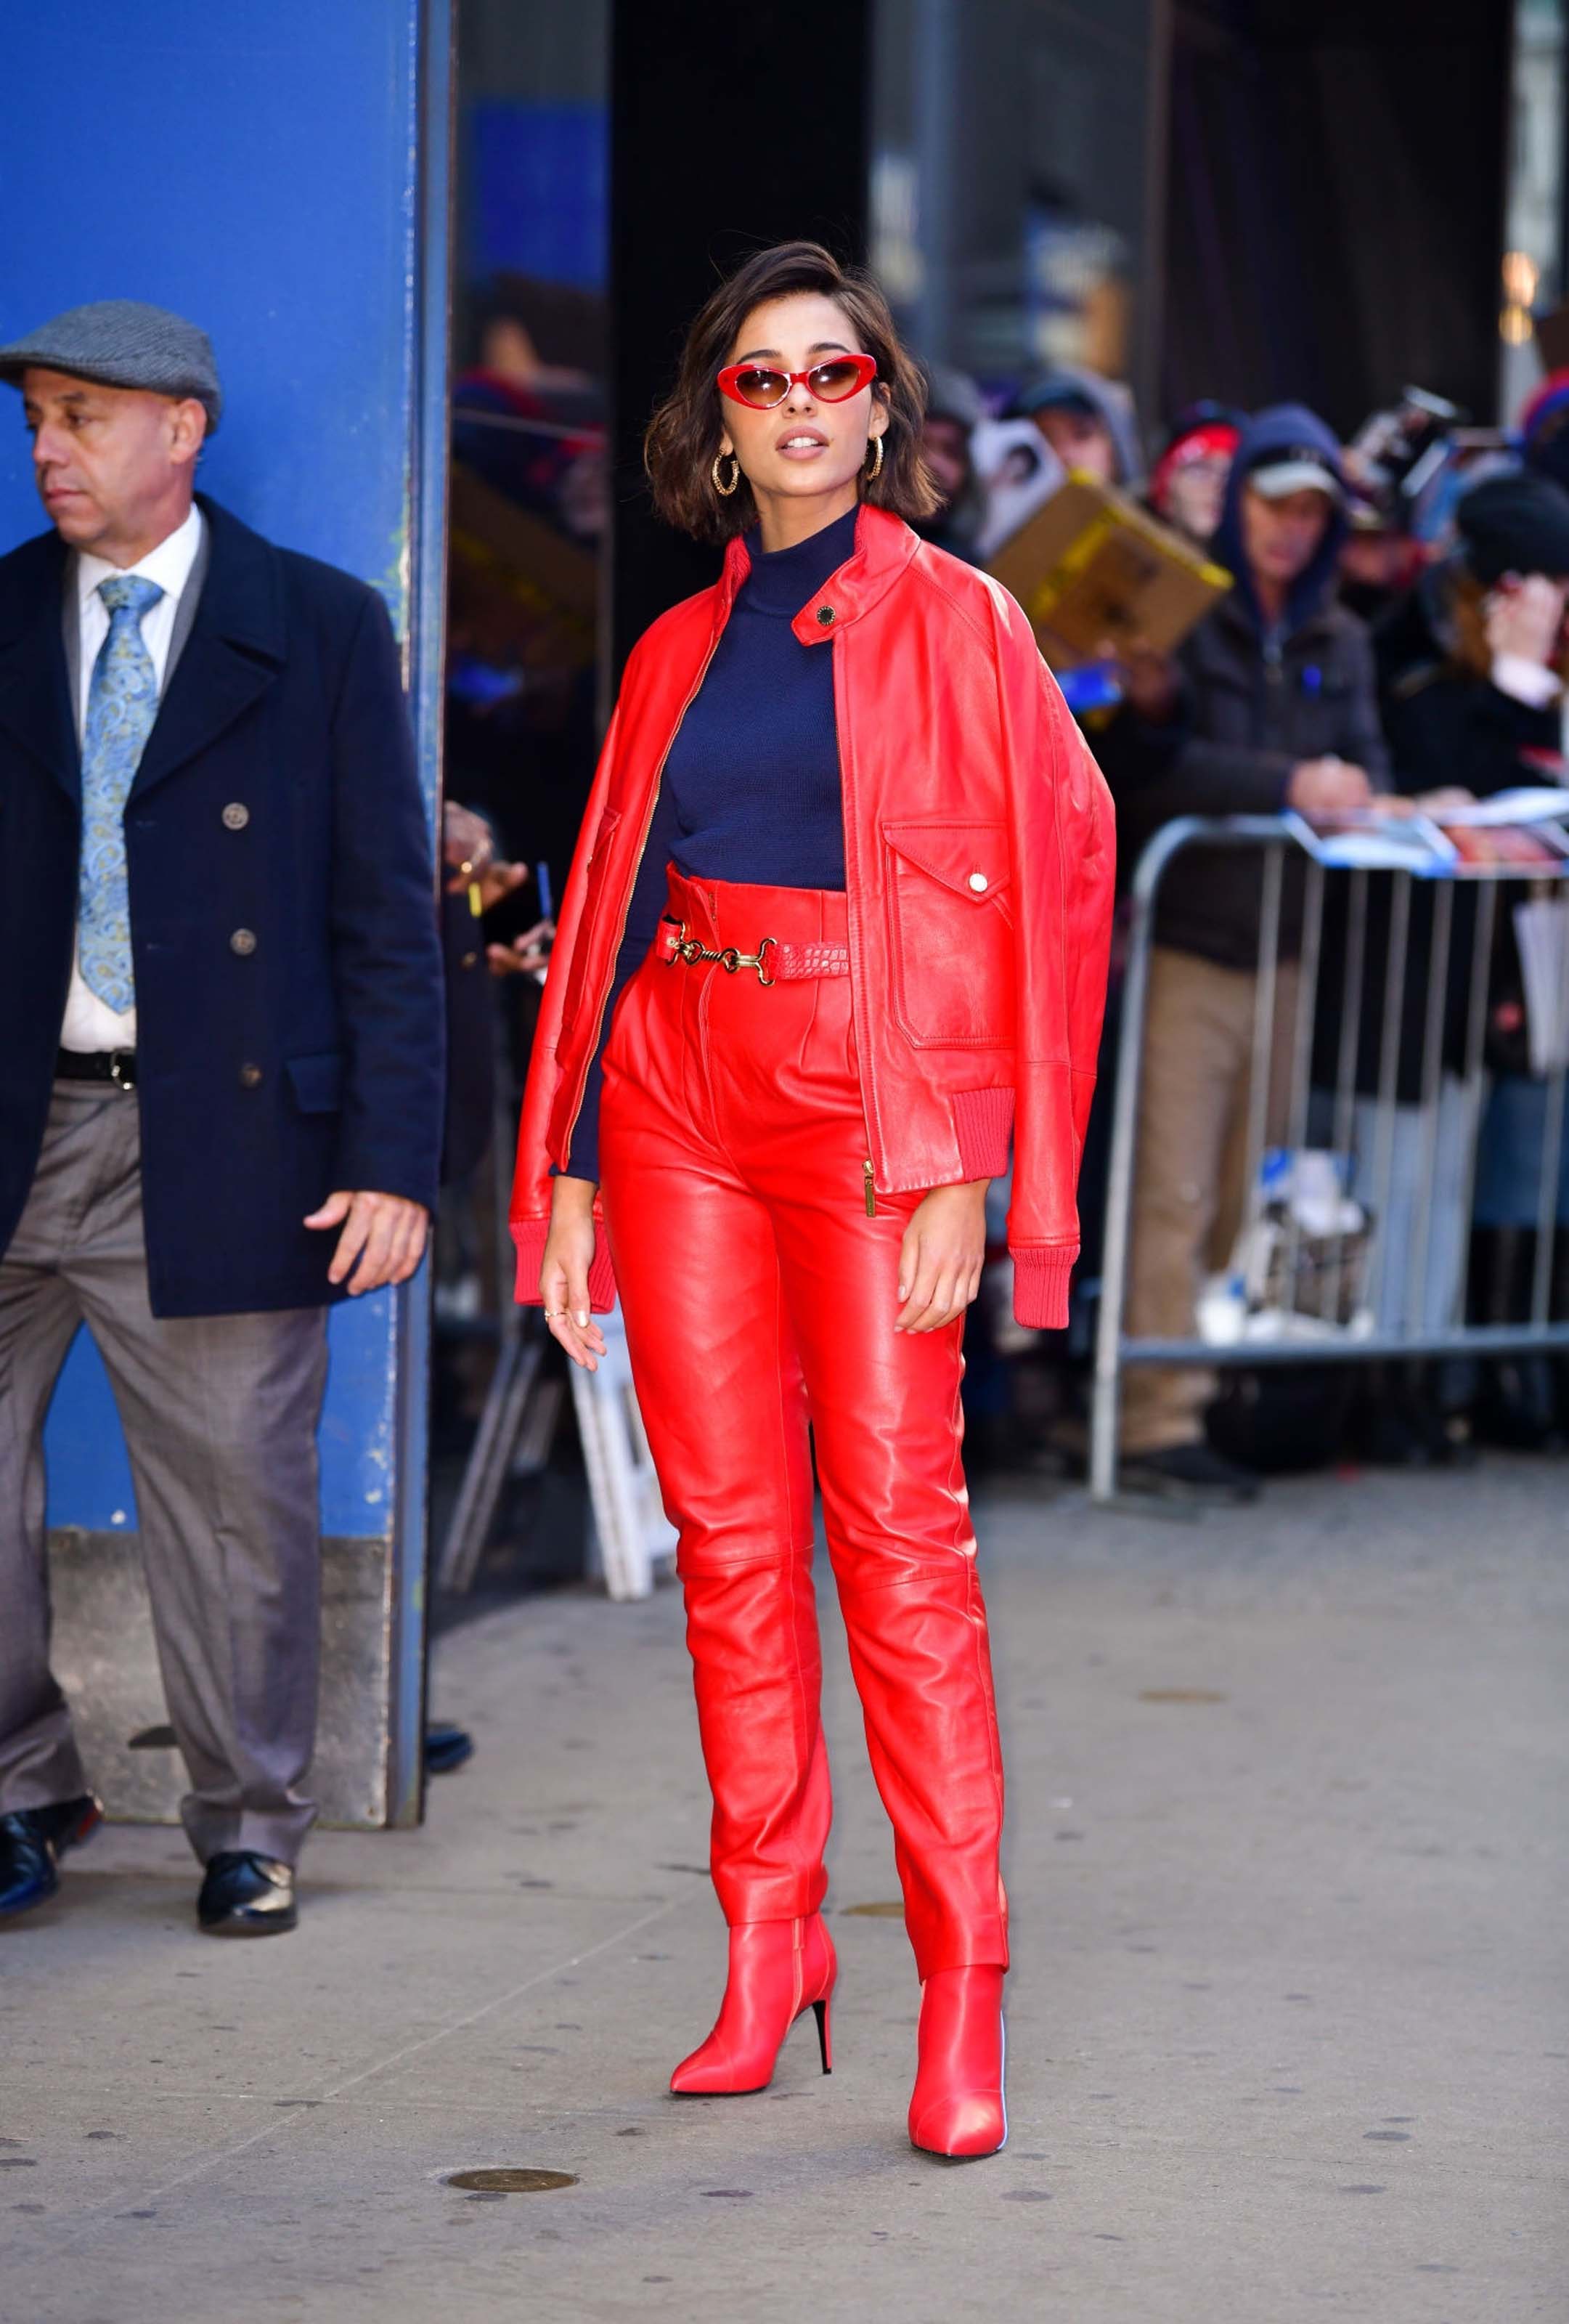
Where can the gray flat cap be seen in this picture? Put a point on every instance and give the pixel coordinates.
(123, 343)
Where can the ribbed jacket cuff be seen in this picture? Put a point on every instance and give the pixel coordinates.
(984, 1122)
(1040, 1279)
(529, 1235)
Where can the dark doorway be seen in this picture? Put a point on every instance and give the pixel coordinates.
(728, 132)
(1334, 201)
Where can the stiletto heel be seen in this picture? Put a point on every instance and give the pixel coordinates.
(778, 1970)
(958, 2107)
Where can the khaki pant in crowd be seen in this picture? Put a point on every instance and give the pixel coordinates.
(1190, 1169)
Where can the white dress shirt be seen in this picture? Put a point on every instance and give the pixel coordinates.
(91, 1023)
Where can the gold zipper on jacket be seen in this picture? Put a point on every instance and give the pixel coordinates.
(851, 864)
(638, 866)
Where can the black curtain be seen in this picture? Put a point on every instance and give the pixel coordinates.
(1335, 202)
(730, 128)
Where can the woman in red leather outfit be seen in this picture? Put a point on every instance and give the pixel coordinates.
(868, 945)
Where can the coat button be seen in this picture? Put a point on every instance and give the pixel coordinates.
(977, 880)
(825, 615)
(250, 1077)
(236, 815)
(242, 942)
(470, 959)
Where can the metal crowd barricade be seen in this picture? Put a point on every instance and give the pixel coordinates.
(1301, 1342)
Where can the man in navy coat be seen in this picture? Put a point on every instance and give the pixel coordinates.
(220, 1068)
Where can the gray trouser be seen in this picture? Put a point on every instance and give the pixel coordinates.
(220, 1416)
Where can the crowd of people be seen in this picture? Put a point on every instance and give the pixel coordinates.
(1392, 637)
(1392, 633)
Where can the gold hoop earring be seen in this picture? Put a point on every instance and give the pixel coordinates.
(725, 490)
(876, 470)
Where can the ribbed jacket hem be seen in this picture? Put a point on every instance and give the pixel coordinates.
(529, 1235)
(983, 1121)
(1041, 1280)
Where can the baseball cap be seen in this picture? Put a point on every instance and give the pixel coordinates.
(1295, 468)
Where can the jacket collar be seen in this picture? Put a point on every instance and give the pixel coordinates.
(235, 648)
(884, 545)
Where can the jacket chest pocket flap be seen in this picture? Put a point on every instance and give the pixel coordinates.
(950, 933)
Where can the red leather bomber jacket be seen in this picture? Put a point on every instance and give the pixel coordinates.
(978, 871)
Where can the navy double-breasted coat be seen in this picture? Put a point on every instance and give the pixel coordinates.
(288, 981)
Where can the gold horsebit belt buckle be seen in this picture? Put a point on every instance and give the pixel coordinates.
(688, 948)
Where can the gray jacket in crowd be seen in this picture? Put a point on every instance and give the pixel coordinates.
(1250, 709)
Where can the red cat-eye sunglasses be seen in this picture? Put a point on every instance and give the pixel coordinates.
(762, 388)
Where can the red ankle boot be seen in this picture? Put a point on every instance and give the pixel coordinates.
(958, 2105)
(778, 1970)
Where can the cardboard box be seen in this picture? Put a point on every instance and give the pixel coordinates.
(1092, 567)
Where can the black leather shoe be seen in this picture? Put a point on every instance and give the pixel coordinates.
(1190, 1472)
(32, 1842)
(244, 1894)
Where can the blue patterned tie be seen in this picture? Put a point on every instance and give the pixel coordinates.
(122, 705)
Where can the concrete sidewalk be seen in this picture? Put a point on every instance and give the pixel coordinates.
(1288, 2026)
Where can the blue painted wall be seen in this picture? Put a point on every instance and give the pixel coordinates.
(253, 167)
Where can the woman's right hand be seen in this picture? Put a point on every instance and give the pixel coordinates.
(1524, 616)
(569, 1251)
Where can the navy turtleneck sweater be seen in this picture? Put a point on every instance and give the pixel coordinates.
(752, 786)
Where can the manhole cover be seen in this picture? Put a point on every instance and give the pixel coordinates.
(877, 1911)
(508, 2182)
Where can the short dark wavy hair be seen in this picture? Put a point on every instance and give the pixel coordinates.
(683, 435)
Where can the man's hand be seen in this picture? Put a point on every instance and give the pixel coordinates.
(941, 1256)
(385, 1232)
(1437, 802)
(1327, 786)
(526, 955)
(469, 859)
(1149, 683)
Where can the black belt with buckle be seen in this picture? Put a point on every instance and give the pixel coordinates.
(116, 1065)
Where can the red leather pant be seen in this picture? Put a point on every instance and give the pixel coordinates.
(758, 1295)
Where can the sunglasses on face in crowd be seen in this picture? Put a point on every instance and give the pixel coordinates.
(762, 388)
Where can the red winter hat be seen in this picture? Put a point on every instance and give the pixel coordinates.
(1207, 439)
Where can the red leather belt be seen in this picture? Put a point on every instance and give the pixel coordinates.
(776, 962)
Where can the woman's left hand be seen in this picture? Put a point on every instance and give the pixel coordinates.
(941, 1256)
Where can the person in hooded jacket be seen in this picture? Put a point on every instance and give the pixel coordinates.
(1272, 704)
(1188, 481)
(955, 408)
(1088, 421)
